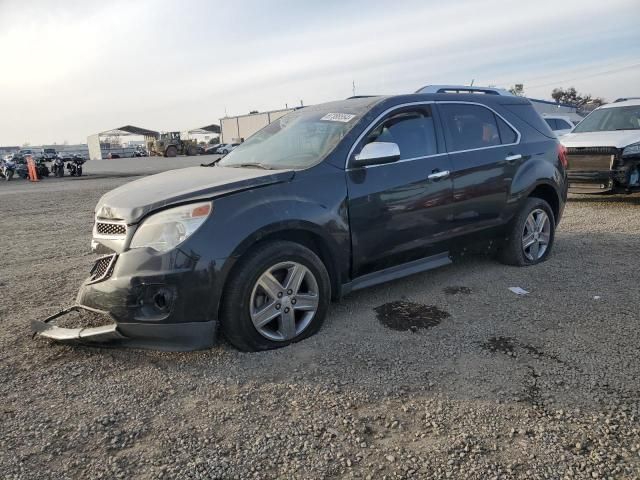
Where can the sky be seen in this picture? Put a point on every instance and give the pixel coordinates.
(69, 69)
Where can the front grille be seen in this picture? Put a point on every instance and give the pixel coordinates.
(592, 151)
(102, 269)
(591, 163)
(103, 228)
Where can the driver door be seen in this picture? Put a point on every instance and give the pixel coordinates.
(398, 211)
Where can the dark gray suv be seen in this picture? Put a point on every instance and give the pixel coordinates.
(328, 199)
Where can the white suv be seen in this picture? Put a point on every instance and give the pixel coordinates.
(559, 124)
(604, 150)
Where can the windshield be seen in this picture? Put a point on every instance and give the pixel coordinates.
(297, 140)
(610, 119)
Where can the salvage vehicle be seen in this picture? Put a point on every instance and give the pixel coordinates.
(48, 154)
(559, 124)
(603, 150)
(326, 200)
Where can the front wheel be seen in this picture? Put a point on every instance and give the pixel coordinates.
(171, 151)
(530, 235)
(278, 294)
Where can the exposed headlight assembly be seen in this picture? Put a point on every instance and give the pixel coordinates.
(633, 149)
(167, 229)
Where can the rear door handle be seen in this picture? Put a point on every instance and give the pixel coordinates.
(437, 175)
(513, 158)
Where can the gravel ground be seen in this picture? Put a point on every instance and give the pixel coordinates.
(496, 385)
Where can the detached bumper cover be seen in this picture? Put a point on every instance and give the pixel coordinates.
(169, 337)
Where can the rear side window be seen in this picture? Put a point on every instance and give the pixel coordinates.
(507, 134)
(563, 124)
(413, 131)
(552, 123)
(527, 114)
(468, 127)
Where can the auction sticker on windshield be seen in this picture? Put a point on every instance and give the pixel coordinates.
(338, 117)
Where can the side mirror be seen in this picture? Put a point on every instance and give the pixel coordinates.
(375, 153)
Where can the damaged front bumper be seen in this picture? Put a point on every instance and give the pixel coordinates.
(145, 299)
(170, 337)
(602, 170)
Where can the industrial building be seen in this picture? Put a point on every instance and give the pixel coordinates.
(238, 129)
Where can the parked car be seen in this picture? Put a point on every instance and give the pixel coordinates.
(604, 150)
(326, 200)
(23, 152)
(212, 149)
(140, 151)
(112, 155)
(226, 148)
(48, 154)
(559, 124)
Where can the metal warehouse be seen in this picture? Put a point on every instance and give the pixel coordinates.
(237, 129)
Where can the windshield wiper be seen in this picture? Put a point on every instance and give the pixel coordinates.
(211, 164)
(251, 165)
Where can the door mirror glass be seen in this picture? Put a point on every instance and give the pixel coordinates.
(377, 152)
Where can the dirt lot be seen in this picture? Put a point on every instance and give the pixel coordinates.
(495, 385)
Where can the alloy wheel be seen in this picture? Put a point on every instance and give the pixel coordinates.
(283, 301)
(536, 235)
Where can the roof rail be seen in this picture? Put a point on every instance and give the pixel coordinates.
(463, 89)
(624, 99)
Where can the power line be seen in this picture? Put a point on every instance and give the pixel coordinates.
(606, 72)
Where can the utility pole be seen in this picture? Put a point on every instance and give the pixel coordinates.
(353, 84)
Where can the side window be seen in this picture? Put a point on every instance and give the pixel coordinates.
(412, 130)
(507, 134)
(552, 123)
(563, 124)
(470, 126)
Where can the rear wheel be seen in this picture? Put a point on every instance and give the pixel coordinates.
(171, 151)
(531, 234)
(278, 294)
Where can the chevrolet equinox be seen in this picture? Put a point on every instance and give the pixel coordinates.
(328, 199)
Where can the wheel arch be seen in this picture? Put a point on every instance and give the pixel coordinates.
(309, 236)
(548, 193)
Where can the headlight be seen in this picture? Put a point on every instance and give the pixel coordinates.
(168, 229)
(632, 149)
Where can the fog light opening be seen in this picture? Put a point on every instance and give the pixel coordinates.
(161, 301)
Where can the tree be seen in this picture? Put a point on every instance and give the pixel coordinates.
(517, 89)
(571, 96)
(214, 141)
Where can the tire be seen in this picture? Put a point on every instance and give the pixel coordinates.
(513, 251)
(192, 151)
(224, 152)
(171, 151)
(79, 171)
(9, 175)
(242, 293)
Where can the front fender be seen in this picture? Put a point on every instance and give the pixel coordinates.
(315, 203)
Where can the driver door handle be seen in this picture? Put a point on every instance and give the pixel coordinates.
(437, 175)
(513, 158)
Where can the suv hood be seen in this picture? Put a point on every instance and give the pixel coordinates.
(134, 200)
(617, 138)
